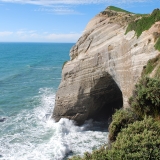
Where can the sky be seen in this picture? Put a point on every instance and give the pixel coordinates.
(57, 20)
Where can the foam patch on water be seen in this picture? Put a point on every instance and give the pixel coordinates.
(32, 135)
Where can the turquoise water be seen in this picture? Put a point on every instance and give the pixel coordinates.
(25, 68)
(29, 77)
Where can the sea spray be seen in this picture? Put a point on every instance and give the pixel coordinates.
(29, 77)
(32, 135)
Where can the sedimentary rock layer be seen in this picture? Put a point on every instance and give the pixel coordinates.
(104, 67)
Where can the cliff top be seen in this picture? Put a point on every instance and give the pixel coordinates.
(118, 15)
(113, 8)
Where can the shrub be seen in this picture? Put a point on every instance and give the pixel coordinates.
(75, 158)
(146, 97)
(100, 154)
(120, 120)
(141, 140)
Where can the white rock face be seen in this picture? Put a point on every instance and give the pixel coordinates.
(103, 52)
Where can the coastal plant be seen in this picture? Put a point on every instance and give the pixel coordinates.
(157, 45)
(113, 8)
(146, 98)
(75, 158)
(100, 154)
(120, 120)
(144, 23)
(151, 65)
(140, 140)
(149, 68)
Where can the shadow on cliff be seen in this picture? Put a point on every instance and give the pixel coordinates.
(104, 98)
(97, 99)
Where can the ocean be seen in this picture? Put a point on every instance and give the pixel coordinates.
(29, 77)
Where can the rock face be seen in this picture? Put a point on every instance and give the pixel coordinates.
(104, 67)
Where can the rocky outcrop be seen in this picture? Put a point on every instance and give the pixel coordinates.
(104, 67)
(2, 119)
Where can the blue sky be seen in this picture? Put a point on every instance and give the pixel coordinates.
(57, 20)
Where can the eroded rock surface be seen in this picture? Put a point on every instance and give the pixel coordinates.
(104, 67)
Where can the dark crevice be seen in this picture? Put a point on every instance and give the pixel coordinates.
(102, 101)
(107, 97)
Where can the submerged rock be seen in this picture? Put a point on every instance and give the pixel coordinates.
(2, 119)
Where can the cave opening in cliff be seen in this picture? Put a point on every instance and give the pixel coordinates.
(106, 98)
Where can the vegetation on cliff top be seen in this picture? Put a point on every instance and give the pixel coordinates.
(144, 22)
(140, 22)
(113, 8)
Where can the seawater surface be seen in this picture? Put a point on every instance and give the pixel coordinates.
(29, 77)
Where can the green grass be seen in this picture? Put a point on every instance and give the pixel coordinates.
(113, 8)
(144, 23)
(157, 75)
(157, 45)
(152, 63)
(150, 67)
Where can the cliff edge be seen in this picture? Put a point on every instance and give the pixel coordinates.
(104, 66)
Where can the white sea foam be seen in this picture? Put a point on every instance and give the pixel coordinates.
(32, 135)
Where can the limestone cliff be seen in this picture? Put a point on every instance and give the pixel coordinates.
(104, 67)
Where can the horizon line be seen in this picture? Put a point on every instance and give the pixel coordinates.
(36, 42)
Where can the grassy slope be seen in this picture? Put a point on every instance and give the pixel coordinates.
(151, 65)
(144, 23)
(157, 45)
(113, 8)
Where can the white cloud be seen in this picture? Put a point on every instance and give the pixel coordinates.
(70, 2)
(25, 32)
(57, 10)
(32, 31)
(20, 32)
(5, 33)
(70, 37)
(64, 7)
(32, 35)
